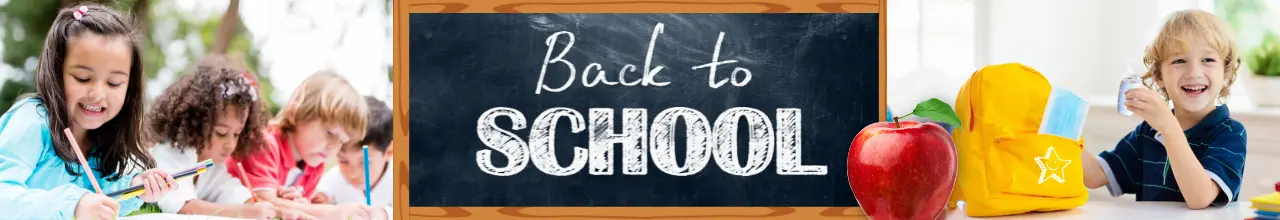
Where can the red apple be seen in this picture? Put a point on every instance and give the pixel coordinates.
(902, 170)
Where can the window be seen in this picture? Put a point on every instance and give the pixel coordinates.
(1085, 47)
(931, 47)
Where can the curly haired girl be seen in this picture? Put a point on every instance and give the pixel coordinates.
(209, 114)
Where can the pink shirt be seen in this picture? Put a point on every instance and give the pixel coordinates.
(269, 167)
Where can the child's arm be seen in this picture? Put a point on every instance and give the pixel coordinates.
(21, 146)
(201, 207)
(1094, 176)
(1213, 179)
(327, 188)
(177, 200)
(259, 171)
(1193, 181)
(1117, 169)
(318, 210)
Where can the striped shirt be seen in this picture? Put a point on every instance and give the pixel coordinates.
(1140, 165)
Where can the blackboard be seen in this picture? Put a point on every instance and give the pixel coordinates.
(823, 66)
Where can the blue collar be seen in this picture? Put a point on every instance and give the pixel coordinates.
(1210, 121)
(1219, 114)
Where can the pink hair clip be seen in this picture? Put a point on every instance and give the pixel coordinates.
(249, 78)
(229, 88)
(81, 12)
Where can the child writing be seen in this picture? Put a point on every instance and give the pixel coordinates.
(209, 114)
(324, 113)
(346, 185)
(89, 80)
(1194, 153)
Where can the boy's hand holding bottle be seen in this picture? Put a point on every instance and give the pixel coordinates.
(1149, 105)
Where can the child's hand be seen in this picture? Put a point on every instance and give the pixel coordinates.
(260, 210)
(321, 198)
(292, 193)
(379, 213)
(292, 214)
(359, 211)
(1150, 106)
(156, 182)
(96, 206)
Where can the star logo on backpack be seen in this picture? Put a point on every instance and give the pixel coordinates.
(1053, 165)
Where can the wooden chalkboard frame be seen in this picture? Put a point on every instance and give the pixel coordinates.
(402, 9)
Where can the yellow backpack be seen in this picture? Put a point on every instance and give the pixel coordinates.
(1006, 166)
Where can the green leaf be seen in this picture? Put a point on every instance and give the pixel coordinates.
(147, 208)
(937, 110)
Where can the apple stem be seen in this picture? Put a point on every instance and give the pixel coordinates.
(897, 124)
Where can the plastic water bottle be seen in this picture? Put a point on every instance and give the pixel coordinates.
(1130, 81)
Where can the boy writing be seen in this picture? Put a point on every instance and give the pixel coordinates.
(323, 114)
(346, 185)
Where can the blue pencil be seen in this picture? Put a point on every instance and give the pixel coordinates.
(367, 201)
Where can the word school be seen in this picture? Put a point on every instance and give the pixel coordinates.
(703, 142)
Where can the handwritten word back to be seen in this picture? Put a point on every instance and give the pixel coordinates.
(638, 109)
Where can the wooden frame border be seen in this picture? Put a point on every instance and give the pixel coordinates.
(401, 81)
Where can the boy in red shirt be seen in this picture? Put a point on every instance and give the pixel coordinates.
(324, 113)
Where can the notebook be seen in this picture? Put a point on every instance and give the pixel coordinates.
(1268, 202)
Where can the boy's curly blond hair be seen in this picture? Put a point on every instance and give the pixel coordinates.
(1182, 28)
(327, 97)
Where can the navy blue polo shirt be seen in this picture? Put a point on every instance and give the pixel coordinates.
(1140, 165)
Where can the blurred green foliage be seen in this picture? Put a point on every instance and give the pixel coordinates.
(26, 22)
(1250, 17)
(1265, 60)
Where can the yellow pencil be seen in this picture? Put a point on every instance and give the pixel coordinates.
(139, 192)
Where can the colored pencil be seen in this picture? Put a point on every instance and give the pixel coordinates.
(138, 190)
(83, 163)
(367, 200)
(245, 179)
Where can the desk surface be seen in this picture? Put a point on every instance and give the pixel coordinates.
(1111, 209)
(167, 216)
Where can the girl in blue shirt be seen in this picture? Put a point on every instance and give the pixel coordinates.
(89, 80)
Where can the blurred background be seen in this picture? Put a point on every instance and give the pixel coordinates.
(282, 41)
(1085, 46)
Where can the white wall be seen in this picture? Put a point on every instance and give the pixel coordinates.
(1082, 45)
(931, 50)
(1061, 39)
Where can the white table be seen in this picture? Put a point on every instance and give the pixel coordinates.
(166, 216)
(1114, 209)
